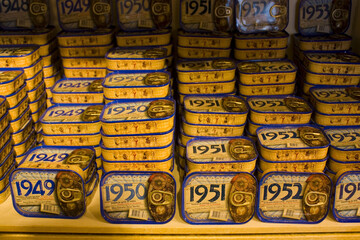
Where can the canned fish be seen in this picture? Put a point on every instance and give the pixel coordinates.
(267, 72)
(72, 139)
(83, 62)
(29, 72)
(51, 58)
(337, 165)
(202, 53)
(85, 51)
(221, 154)
(136, 85)
(332, 62)
(336, 100)
(226, 109)
(5, 135)
(83, 91)
(259, 54)
(136, 59)
(33, 82)
(207, 40)
(36, 92)
(267, 89)
(146, 38)
(72, 119)
(18, 56)
(20, 135)
(234, 203)
(279, 110)
(50, 81)
(53, 69)
(10, 81)
(212, 130)
(215, 16)
(217, 70)
(139, 165)
(344, 143)
(14, 98)
(85, 72)
(138, 117)
(336, 119)
(221, 87)
(333, 42)
(27, 36)
(17, 110)
(336, 20)
(301, 142)
(99, 37)
(269, 16)
(25, 145)
(19, 122)
(261, 40)
(290, 197)
(138, 140)
(346, 197)
(47, 48)
(4, 179)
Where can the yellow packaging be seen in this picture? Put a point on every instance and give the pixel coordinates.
(20, 135)
(331, 79)
(34, 106)
(72, 140)
(11, 81)
(51, 58)
(206, 88)
(85, 51)
(37, 91)
(35, 68)
(25, 145)
(218, 110)
(83, 91)
(147, 38)
(21, 37)
(216, 70)
(17, 110)
(18, 56)
(19, 122)
(336, 119)
(71, 119)
(5, 136)
(344, 143)
(50, 81)
(181, 149)
(138, 141)
(136, 85)
(136, 154)
(36, 115)
(15, 98)
(136, 59)
(204, 40)
(279, 110)
(258, 54)
(194, 53)
(47, 48)
(184, 138)
(293, 166)
(84, 62)
(261, 40)
(6, 163)
(182, 96)
(138, 117)
(267, 89)
(52, 69)
(48, 92)
(337, 165)
(336, 100)
(100, 37)
(332, 63)
(331, 174)
(333, 42)
(221, 154)
(211, 130)
(147, 165)
(34, 81)
(181, 162)
(299, 142)
(267, 72)
(84, 72)
(4, 180)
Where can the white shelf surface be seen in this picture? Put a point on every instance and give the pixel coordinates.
(93, 223)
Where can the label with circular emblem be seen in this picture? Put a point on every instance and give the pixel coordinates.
(78, 86)
(138, 197)
(289, 197)
(255, 16)
(218, 198)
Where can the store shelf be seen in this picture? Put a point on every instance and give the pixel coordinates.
(92, 223)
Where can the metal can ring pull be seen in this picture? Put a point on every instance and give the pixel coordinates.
(38, 8)
(160, 8)
(240, 198)
(314, 198)
(278, 11)
(101, 8)
(159, 198)
(69, 195)
(340, 14)
(223, 12)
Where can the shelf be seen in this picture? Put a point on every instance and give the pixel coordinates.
(11, 223)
